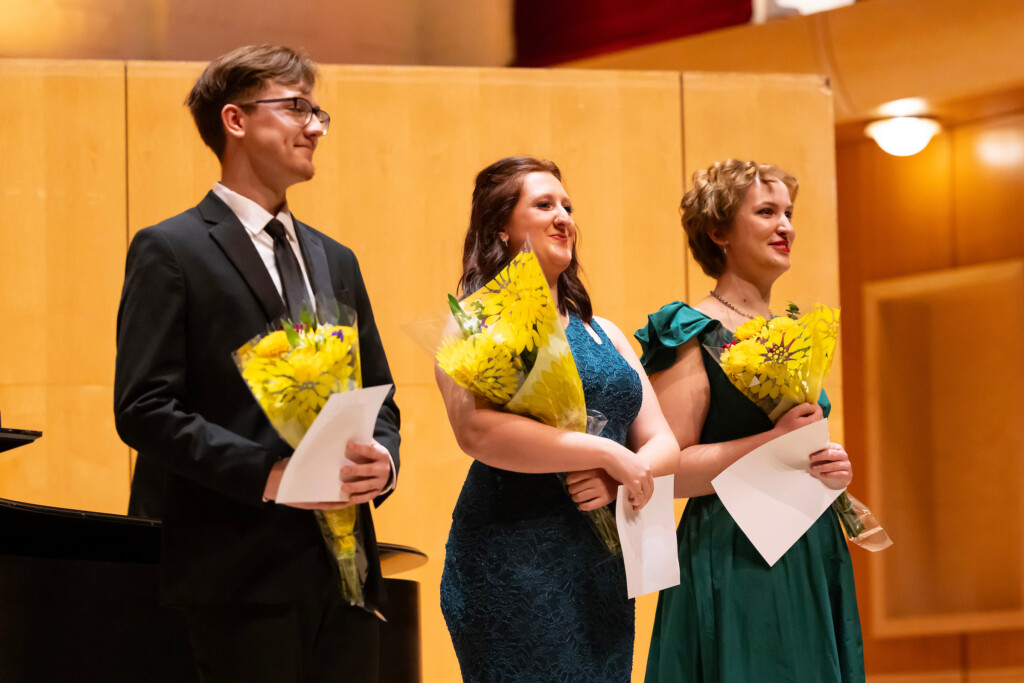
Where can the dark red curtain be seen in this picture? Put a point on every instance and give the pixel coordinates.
(553, 31)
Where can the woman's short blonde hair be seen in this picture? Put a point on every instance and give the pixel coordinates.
(710, 206)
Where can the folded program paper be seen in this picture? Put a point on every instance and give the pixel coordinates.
(648, 539)
(313, 474)
(771, 493)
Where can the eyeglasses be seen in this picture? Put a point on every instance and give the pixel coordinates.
(301, 110)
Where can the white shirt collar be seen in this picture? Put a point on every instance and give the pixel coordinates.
(253, 216)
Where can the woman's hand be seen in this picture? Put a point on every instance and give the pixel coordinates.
(832, 466)
(633, 472)
(797, 417)
(591, 489)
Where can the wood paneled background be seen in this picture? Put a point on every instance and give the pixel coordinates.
(61, 269)
(94, 151)
(955, 204)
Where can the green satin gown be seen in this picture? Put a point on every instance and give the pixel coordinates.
(732, 618)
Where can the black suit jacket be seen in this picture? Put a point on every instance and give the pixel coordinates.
(195, 290)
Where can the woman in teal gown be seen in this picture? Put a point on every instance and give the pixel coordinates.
(529, 592)
(733, 618)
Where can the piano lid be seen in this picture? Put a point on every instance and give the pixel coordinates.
(41, 531)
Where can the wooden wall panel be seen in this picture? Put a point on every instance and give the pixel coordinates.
(894, 219)
(928, 423)
(62, 173)
(396, 173)
(162, 184)
(157, 118)
(952, 204)
(988, 185)
(989, 190)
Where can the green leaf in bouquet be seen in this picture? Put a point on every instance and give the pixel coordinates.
(467, 322)
(291, 333)
(307, 317)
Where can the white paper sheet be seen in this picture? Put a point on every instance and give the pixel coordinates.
(312, 475)
(770, 491)
(648, 539)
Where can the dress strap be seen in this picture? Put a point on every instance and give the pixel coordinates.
(600, 332)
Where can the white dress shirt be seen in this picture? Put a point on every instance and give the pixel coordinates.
(254, 219)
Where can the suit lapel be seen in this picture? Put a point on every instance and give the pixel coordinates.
(228, 232)
(316, 267)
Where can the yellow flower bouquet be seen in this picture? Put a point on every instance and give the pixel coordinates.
(782, 362)
(291, 373)
(511, 350)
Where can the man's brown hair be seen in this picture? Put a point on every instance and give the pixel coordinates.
(239, 75)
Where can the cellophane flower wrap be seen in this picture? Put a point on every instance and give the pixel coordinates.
(511, 350)
(291, 373)
(783, 362)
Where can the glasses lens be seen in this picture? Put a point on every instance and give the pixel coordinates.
(324, 118)
(301, 110)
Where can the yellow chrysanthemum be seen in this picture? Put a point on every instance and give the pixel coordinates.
(302, 393)
(520, 326)
(517, 304)
(340, 353)
(749, 329)
(295, 387)
(783, 358)
(262, 374)
(483, 364)
(784, 325)
(273, 345)
(740, 363)
(556, 398)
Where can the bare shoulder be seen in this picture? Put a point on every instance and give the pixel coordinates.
(615, 335)
(611, 329)
(710, 307)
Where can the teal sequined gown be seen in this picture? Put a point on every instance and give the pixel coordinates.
(529, 592)
(732, 618)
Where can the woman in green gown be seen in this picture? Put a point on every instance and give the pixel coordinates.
(733, 618)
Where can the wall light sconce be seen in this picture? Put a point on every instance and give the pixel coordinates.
(903, 135)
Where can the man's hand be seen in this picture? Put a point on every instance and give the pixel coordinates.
(366, 479)
(274, 482)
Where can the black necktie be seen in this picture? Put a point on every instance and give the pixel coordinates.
(292, 283)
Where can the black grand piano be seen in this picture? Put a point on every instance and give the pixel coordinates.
(79, 600)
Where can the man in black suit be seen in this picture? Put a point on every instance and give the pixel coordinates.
(258, 588)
